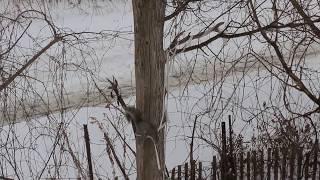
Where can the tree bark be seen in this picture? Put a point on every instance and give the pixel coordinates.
(149, 74)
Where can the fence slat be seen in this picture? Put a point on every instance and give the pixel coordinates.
(306, 166)
(269, 163)
(276, 163)
(261, 165)
(214, 168)
(299, 168)
(186, 171)
(283, 164)
(254, 163)
(193, 170)
(292, 162)
(248, 165)
(179, 172)
(173, 173)
(200, 171)
(231, 152)
(87, 141)
(223, 161)
(315, 160)
(318, 168)
(5, 178)
(241, 165)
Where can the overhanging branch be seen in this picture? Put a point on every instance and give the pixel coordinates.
(173, 50)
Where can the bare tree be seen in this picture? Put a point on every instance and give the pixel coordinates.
(150, 62)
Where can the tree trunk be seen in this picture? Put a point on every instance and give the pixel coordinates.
(149, 75)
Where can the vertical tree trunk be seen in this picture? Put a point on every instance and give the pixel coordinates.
(149, 72)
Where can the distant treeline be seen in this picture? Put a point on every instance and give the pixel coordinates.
(95, 6)
(75, 2)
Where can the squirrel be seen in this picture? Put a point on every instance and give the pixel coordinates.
(143, 129)
(140, 127)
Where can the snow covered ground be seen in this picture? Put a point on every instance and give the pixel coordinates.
(35, 140)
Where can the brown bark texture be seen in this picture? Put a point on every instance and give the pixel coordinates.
(149, 74)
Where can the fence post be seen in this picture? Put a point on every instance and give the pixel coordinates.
(87, 140)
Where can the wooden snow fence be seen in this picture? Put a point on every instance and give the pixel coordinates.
(295, 163)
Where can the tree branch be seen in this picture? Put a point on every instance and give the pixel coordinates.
(300, 85)
(30, 61)
(16, 42)
(109, 144)
(179, 9)
(306, 18)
